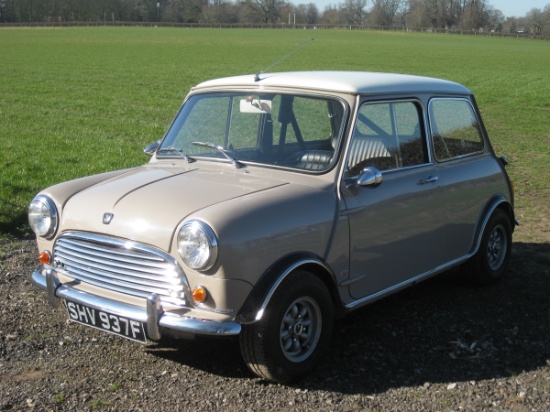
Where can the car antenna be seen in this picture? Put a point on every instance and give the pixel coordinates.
(257, 75)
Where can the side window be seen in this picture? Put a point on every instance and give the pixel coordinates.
(455, 129)
(387, 136)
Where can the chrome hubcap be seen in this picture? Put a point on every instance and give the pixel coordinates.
(300, 329)
(497, 247)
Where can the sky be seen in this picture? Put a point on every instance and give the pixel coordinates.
(510, 8)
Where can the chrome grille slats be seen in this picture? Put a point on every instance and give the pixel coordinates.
(121, 266)
(123, 254)
(105, 261)
(114, 285)
(106, 276)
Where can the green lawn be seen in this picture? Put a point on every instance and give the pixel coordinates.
(77, 101)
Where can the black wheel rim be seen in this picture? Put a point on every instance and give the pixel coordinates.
(300, 329)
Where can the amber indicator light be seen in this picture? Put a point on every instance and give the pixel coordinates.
(45, 257)
(199, 294)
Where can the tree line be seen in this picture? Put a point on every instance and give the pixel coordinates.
(461, 15)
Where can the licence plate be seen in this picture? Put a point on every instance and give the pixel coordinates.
(118, 325)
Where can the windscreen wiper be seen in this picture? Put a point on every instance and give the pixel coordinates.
(220, 149)
(178, 151)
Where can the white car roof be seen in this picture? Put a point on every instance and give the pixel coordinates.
(341, 82)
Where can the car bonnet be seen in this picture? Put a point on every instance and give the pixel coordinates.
(146, 204)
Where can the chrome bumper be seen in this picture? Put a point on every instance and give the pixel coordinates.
(153, 316)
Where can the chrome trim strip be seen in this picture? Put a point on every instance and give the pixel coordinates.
(498, 200)
(403, 285)
(169, 321)
(275, 285)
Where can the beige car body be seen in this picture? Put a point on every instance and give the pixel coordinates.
(270, 221)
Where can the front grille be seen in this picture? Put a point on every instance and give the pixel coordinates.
(121, 266)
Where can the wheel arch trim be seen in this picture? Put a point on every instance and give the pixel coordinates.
(497, 202)
(254, 307)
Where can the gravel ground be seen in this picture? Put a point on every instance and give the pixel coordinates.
(439, 346)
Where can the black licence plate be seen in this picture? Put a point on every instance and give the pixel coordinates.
(119, 325)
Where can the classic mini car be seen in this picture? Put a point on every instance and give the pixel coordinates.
(275, 204)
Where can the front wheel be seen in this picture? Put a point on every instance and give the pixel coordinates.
(294, 331)
(491, 260)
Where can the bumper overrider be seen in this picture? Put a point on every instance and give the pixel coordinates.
(156, 321)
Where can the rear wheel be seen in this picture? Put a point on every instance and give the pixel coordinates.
(490, 262)
(294, 331)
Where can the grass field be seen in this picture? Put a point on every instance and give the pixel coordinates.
(78, 101)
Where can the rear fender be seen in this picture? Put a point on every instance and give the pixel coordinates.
(497, 202)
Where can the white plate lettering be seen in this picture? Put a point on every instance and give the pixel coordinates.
(119, 325)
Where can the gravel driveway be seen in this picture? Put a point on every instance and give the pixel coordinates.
(439, 346)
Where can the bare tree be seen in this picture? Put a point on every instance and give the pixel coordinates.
(496, 20)
(535, 19)
(331, 16)
(267, 11)
(384, 11)
(353, 11)
(476, 14)
(312, 13)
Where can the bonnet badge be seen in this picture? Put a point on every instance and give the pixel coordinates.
(107, 218)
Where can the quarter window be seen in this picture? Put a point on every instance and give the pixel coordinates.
(387, 136)
(455, 129)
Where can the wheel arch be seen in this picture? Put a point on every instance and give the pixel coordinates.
(497, 202)
(254, 306)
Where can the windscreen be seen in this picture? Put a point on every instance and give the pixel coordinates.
(292, 131)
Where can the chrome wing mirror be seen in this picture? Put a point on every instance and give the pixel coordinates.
(151, 148)
(370, 176)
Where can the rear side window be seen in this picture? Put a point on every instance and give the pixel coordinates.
(455, 129)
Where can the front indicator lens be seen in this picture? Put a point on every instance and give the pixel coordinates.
(197, 245)
(43, 218)
(199, 294)
(45, 257)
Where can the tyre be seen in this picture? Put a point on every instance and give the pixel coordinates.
(294, 332)
(490, 262)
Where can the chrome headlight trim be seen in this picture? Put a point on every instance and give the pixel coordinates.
(197, 245)
(43, 216)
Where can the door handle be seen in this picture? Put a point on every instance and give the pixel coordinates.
(431, 179)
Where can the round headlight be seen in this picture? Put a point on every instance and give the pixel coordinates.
(43, 216)
(197, 245)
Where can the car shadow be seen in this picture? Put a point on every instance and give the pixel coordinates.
(217, 355)
(439, 331)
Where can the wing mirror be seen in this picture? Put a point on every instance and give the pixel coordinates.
(370, 176)
(152, 148)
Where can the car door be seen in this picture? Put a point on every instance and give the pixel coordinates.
(396, 226)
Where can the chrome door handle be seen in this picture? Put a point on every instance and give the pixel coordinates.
(431, 179)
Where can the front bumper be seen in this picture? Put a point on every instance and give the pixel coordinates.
(157, 321)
